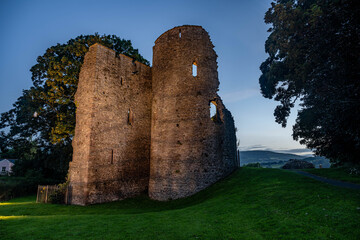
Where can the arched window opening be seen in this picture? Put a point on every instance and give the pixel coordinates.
(213, 111)
(215, 114)
(194, 69)
(179, 33)
(130, 117)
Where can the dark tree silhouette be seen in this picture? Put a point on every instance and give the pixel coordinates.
(314, 49)
(42, 123)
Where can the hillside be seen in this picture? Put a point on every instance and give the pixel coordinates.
(266, 156)
(276, 160)
(250, 204)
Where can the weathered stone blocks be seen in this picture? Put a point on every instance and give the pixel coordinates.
(142, 129)
(111, 154)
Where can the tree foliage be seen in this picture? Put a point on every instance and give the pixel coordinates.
(41, 125)
(313, 56)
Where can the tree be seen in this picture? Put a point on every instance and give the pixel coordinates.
(313, 50)
(42, 122)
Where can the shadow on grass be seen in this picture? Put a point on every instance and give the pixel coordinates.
(245, 185)
(141, 204)
(249, 204)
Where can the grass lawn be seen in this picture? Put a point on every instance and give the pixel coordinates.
(341, 174)
(253, 203)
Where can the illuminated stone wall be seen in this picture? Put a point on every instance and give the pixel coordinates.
(189, 150)
(139, 127)
(112, 135)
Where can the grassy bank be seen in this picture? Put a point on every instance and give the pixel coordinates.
(342, 174)
(250, 204)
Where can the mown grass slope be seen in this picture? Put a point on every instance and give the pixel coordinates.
(250, 204)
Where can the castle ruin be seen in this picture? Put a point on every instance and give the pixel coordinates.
(142, 129)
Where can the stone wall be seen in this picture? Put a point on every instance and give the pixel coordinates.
(112, 135)
(139, 127)
(189, 150)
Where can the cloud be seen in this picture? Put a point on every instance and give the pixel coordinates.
(300, 151)
(254, 147)
(297, 151)
(237, 96)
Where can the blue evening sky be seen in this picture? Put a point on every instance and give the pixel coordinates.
(236, 28)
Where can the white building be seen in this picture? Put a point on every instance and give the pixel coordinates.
(6, 165)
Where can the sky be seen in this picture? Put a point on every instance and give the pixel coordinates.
(236, 28)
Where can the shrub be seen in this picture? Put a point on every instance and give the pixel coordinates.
(11, 186)
(58, 196)
(256, 165)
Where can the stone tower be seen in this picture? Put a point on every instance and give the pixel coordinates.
(141, 129)
(190, 149)
(112, 135)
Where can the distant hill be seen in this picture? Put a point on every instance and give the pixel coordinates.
(277, 160)
(266, 156)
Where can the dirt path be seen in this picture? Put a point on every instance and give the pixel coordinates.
(329, 181)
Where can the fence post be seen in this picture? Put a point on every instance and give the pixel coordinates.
(37, 196)
(46, 195)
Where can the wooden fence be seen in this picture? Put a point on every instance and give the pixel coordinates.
(45, 191)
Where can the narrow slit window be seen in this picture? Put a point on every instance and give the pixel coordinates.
(112, 157)
(194, 69)
(121, 81)
(180, 33)
(130, 117)
(212, 111)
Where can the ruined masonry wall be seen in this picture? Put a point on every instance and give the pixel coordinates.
(141, 129)
(112, 135)
(189, 151)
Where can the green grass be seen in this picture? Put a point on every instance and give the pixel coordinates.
(253, 203)
(342, 174)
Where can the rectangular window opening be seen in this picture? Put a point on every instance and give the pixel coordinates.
(194, 69)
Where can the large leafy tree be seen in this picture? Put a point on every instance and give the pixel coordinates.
(313, 57)
(41, 125)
